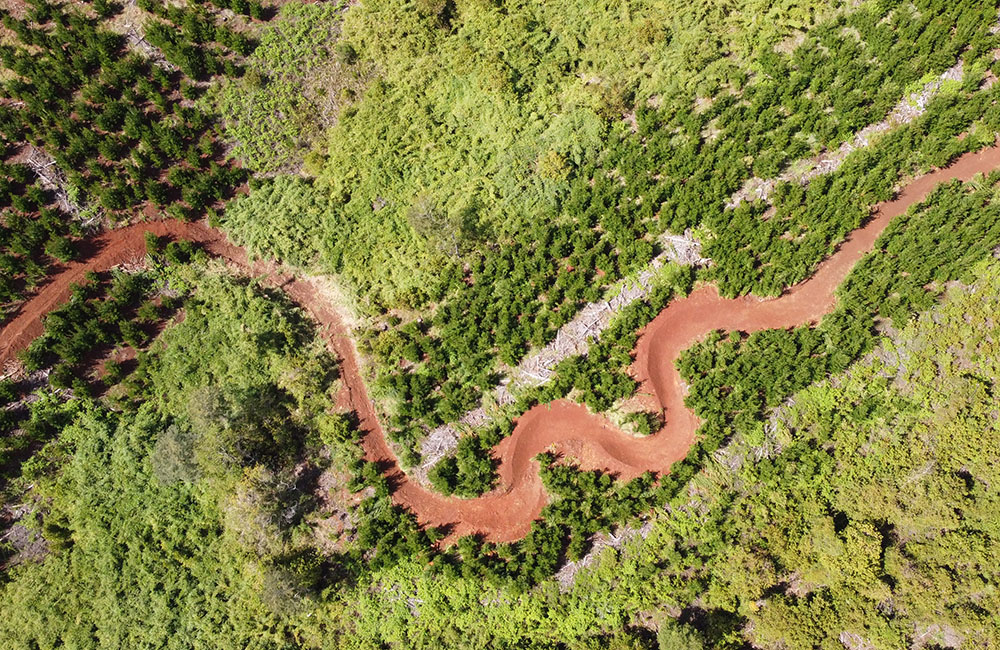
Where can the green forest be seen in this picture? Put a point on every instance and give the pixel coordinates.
(585, 216)
(257, 255)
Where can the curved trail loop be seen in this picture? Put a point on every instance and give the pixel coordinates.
(566, 427)
(562, 426)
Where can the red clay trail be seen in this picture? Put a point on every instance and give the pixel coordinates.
(102, 253)
(562, 426)
(566, 427)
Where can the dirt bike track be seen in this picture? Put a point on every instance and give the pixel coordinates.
(562, 426)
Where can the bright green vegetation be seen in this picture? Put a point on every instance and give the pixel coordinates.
(107, 313)
(871, 489)
(292, 207)
(734, 383)
(199, 487)
(572, 61)
(483, 189)
(865, 509)
(819, 216)
(479, 170)
(782, 524)
(296, 82)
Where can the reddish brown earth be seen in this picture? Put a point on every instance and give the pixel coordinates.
(107, 251)
(100, 254)
(568, 428)
(562, 426)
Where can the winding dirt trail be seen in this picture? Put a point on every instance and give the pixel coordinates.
(562, 426)
(99, 254)
(566, 427)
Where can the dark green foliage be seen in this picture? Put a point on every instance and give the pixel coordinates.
(498, 301)
(765, 255)
(734, 381)
(583, 504)
(197, 491)
(7, 392)
(104, 313)
(194, 61)
(113, 372)
(250, 8)
(389, 533)
(826, 211)
(933, 244)
(89, 322)
(105, 115)
(34, 232)
(471, 471)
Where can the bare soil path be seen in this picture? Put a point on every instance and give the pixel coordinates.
(562, 426)
(98, 254)
(566, 427)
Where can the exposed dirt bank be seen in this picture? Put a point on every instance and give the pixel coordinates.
(565, 427)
